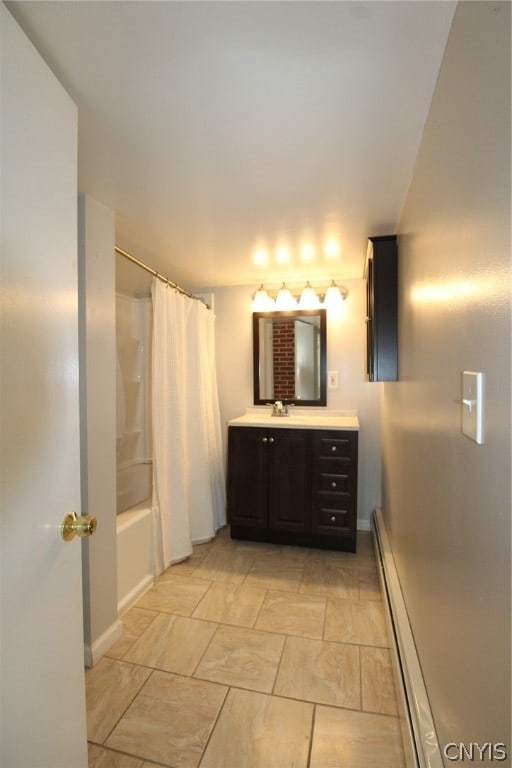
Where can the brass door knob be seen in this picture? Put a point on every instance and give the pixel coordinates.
(83, 525)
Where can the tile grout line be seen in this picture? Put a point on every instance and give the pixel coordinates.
(127, 650)
(311, 736)
(210, 735)
(210, 641)
(260, 609)
(278, 667)
(360, 679)
(131, 756)
(325, 617)
(103, 744)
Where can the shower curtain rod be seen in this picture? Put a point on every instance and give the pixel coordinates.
(157, 274)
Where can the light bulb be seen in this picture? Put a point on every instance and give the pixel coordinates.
(261, 301)
(285, 299)
(308, 298)
(333, 296)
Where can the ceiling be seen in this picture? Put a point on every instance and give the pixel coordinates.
(221, 130)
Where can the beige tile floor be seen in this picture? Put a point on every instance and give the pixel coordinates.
(250, 655)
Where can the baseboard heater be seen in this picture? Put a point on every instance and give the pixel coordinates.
(419, 737)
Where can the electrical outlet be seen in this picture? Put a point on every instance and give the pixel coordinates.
(332, 380)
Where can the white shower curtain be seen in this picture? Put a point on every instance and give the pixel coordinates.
(188, 474)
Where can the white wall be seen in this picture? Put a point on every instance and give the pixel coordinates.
(345, 353)
(447, 499)
(98, 422)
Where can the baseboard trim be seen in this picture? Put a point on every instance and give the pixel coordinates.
(133, 595)
(420, 741)
(95, 650)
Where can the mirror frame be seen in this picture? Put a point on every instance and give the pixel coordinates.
(322, 400)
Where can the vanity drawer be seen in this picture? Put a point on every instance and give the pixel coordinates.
(334, 483)
(341, 446)
(334, 502)
(334, 519)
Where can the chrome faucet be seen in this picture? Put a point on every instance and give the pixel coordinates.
(280, 409)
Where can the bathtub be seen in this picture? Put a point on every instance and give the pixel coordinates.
(134, 483)
(134, 554)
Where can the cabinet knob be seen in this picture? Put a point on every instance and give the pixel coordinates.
(264, 440)
(333, 449)
(271, 439)
(333, 484)
(333, 518)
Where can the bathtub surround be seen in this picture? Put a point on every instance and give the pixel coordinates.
(133, 387)
(98, 423)
(188, 467)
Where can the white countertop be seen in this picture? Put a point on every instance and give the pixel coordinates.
(300, 418)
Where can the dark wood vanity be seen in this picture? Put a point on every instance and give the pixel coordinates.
(292, 485)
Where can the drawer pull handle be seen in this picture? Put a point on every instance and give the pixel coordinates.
(333, 518)
(333, 484)
(333, 449)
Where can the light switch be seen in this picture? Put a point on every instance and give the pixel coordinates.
(332, 380)
(472, 405)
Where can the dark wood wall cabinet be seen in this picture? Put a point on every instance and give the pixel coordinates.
(381, 272)
(293, 486)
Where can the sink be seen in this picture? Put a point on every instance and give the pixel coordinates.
(324, 420)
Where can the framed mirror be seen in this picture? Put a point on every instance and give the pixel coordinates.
(290, 357)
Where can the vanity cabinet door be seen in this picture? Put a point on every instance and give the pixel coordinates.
(248, 472)
(268, 478)
(289, 480)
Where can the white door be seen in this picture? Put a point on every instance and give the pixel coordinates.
(42, 716)
(305, 369)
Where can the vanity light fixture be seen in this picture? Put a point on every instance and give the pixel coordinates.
(310, 298)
